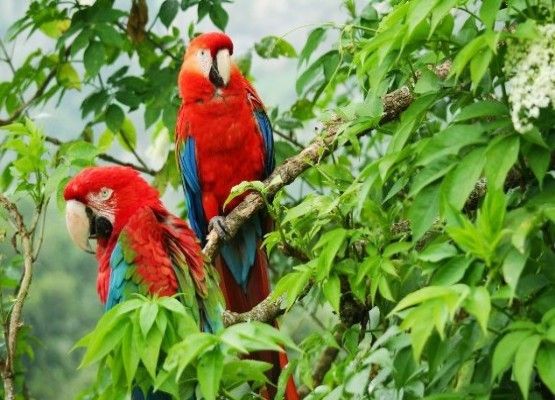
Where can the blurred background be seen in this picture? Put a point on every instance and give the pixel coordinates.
(63, 304)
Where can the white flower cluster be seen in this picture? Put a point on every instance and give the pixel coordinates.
(531, 66)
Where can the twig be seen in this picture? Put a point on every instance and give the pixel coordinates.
(40, 91)
(109, 158)
(14, 322)
(324, 363)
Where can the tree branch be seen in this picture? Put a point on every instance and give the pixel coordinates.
(108, 158)
(14, 322)
(324, 363)
(270, 308)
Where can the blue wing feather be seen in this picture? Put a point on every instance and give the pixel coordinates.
(193, 194)
(267, 135)
(118, 272)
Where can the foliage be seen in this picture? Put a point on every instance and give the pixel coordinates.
(430, 237)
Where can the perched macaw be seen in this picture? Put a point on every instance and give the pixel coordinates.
(224, 137)
(141, 247)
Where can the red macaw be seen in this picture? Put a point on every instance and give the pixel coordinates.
(224, 137)
(141, 247)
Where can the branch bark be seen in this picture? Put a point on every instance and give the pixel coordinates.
(14, 322)
(270, 308)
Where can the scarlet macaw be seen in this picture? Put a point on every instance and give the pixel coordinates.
(224, 137)
(141, 247)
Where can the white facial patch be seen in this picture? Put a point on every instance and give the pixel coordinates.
(204, 60)
(103, 204)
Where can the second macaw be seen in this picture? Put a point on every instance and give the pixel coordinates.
(224, 137)
(141, 247)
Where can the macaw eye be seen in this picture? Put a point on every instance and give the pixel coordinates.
(105, 193)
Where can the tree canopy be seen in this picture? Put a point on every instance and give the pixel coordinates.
(414, 227)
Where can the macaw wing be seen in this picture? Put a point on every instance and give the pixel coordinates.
(187, 162)
(142, 262)
(264, 128)
(193, 274)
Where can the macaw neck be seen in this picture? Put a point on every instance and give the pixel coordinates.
(196, 88)
(104, 250)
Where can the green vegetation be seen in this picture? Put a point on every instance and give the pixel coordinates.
(420, 240)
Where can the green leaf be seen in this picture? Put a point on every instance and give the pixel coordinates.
(479, 66)
(437, 252)
(501, 156)
(538, 159)
(427, 293)
(244, 187)
(129, 356)
(424, 210)
(428, 82)
(147, 317)
(505, 351)
(314, 39)
(104, 339)
(433, 171)
(466, 54)
(94, 58)
(150, 351)
(330, 243)
(513, 265)
(114, 117)
(450, 141)
(478, 304)
(209, 372)
(218, 16)
(82, 150)
(486, 108)
(127, 134)
(545, 364)
(183, 353)
(68, 76)
(488, 12)
(274, 47)
(524, 362)
(332, 291)
(109, 35)
(451, 272)
(168, 11)
(460, 182)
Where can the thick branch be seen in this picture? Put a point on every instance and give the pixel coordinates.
(14, 322)
(283, 175)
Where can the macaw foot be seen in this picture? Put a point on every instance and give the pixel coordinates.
(218, 224)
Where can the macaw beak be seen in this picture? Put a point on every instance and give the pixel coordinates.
(221, 68)
(78, 224)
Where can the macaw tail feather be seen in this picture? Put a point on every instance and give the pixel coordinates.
(239, 299)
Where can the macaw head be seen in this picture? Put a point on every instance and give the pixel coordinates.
(100, 201)
(208, 59)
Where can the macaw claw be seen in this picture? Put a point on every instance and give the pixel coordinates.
(218, 224)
